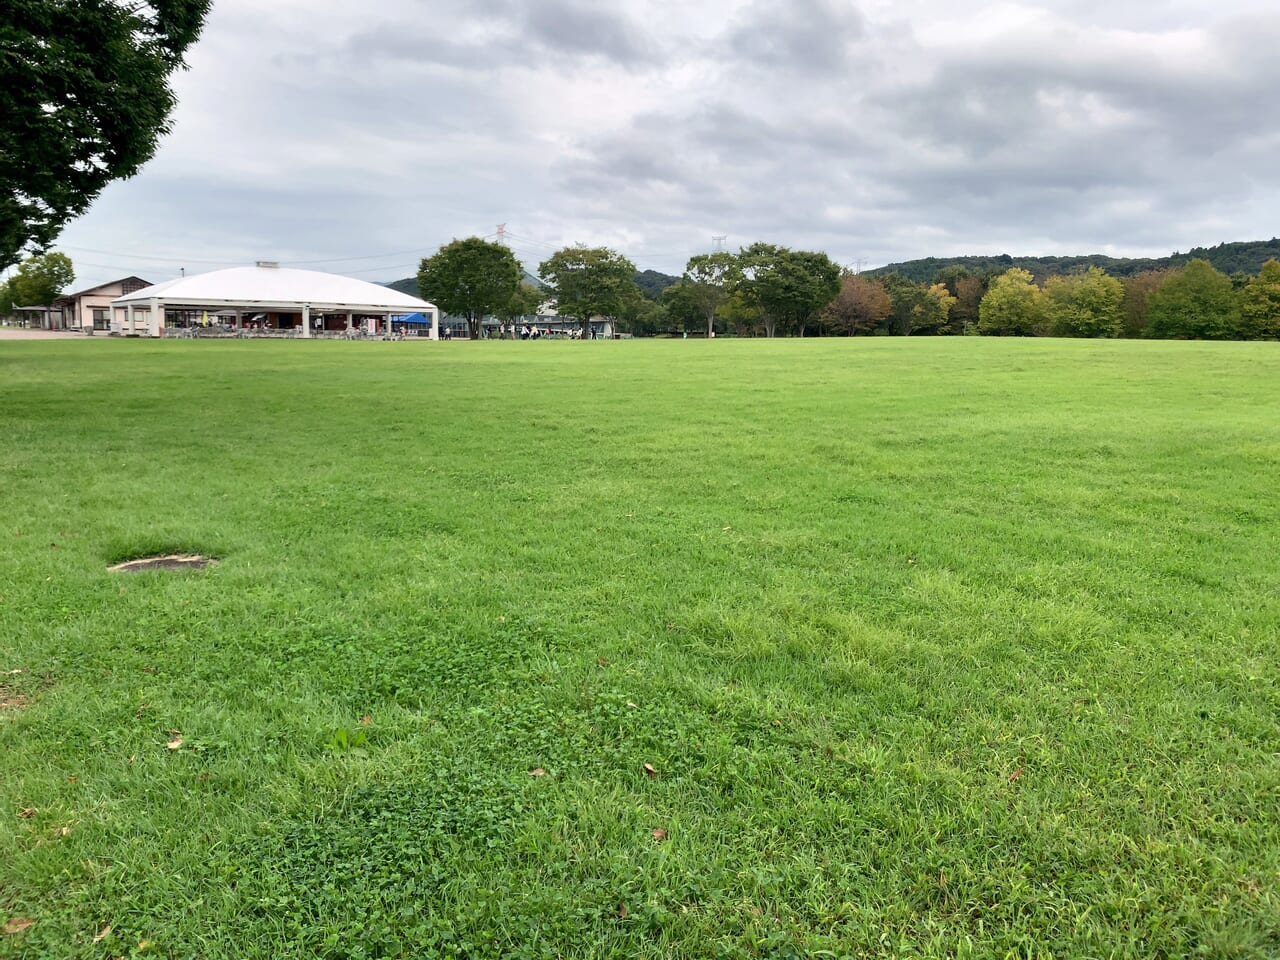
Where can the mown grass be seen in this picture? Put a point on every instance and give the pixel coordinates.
(937, 648)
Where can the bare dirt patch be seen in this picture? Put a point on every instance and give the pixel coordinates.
(170, 561)
(12, 701)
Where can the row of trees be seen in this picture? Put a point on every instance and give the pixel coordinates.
(770, 290)
(764, 286)
(1191, 302)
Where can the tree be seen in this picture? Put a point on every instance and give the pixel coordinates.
(1085, 305)
(1013, 306)
(525, 302)
(588, 282)
(1198, 303)
(791, 287)
(683, 306)
(712, 277)
(641, 316)
(1137, 294)
(470, 278)
(741, 314)
(85, 97)
(8, 296)
(968, 289)
(40, 279)
(1260, 304)
(861, 306)
(916, 308)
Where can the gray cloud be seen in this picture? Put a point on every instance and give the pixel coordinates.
(800, 35)
(1067, 126)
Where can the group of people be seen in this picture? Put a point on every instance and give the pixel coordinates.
(531, 331)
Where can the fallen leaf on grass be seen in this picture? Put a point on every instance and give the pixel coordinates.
(660, 834)
(649, 771)
(537, 772)
(1016, 774)
(17, 924)
(64, 831)
(603, 661)
(102, 934)
(13, 673)
(366, 720)
(27, 813)
(633, 705)
(621, 912)
(175, 743)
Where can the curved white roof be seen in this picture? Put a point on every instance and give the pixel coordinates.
(277, 287)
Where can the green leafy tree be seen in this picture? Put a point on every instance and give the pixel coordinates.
(741, 314)
(470, 278)
(84, 97)
(41, 279)
(1085, 305)
(8, 296)
(588, 282)
(1012, 307)
(1198, 303)
(683, 306)
(860, 307)
(968, 289)
(791, 287)
(525, 302)
(917, 308)
(1260, 304)
(712, 277)
(1135, 319)
(641, 316)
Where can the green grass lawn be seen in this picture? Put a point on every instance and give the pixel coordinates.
(939, 648)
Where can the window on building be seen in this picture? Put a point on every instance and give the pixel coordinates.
(101, 319)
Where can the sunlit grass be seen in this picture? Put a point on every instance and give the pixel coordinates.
(936, 648)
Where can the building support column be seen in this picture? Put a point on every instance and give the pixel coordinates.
(155, 318)
(435, 324)
(306, 321)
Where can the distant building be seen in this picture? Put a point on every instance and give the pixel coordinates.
(90, 310)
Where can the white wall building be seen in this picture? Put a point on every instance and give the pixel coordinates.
(302, 303)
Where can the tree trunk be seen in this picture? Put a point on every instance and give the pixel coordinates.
(769, 326)
(473, 327)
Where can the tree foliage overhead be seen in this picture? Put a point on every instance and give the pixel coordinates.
(588, 282)
(84, 99)
(470, 278)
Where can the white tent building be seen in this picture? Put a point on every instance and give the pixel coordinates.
(269, 297)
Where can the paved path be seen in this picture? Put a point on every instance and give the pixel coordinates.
(21, 333)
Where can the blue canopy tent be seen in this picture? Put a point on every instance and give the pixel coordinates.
(414, 321)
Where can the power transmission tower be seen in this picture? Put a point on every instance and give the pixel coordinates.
(718, 243)
(502, 234)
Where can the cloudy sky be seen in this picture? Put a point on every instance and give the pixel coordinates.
(358, 137)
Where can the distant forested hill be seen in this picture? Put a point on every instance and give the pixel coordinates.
(408, 285)
(1246, 256)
